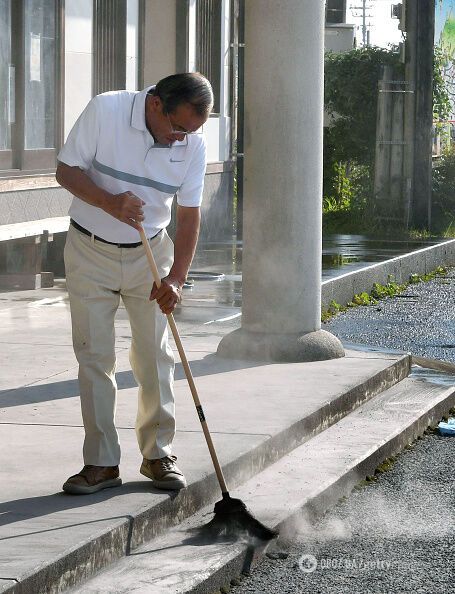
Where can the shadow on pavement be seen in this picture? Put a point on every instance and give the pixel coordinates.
(209, 365)
(34, 507)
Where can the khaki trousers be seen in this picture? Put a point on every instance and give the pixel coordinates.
(97, 276)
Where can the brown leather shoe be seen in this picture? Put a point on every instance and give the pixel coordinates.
(92, 479)
(163, 472)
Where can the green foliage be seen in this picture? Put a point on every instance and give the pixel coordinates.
(351, 92)
(442, 106)
(391, 288)
(384, 466)
(334, 308)
(443, 210)
(418, 278)
(346, 190)
(363, 299)
(379, 291)
(419, 234)
(449, 232)
(325, 316)
(351, 95)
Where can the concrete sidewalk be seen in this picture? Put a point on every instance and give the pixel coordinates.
(257, 413)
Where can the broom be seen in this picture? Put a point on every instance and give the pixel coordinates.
(231, 515)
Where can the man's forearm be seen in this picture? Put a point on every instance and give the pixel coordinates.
(125, 207)
(79, 184)
(186, 236)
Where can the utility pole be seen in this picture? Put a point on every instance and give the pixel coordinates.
(363, 10)
(408, 24)
(417, 20)
(422, 43)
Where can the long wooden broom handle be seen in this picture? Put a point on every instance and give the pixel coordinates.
(186, 366)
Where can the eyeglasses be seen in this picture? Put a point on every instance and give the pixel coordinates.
(182, 133)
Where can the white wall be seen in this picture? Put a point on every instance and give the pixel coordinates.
(78, 55)
(78, 59)
(339, 37)
(160, 40)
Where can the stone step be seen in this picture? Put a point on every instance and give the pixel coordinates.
(286, 495)
(257, 413)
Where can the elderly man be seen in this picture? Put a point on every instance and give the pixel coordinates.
(127, 156)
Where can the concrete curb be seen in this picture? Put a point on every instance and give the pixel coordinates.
(332, 464)
(444, 366)
(343, 288)
(82, 561)
(246, 558)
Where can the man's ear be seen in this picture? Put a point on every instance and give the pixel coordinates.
(155, 102)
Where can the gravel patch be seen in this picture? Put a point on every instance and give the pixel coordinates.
(420, 320)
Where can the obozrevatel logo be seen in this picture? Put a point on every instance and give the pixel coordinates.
(308, 563)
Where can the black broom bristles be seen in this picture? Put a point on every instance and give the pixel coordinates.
(232, 520)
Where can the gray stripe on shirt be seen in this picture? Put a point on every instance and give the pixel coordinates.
(134, 179)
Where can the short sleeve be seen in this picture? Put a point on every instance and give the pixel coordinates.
(80, 147)
(190, 192)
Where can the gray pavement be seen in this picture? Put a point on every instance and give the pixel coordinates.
(395, 535)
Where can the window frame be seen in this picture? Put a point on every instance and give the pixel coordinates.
(19, 161)
(109, 46)
(6, 155)
(212, 46)
(328, 18)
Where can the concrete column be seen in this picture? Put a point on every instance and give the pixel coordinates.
(282, 229)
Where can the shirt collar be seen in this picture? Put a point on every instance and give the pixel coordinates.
(138, 110)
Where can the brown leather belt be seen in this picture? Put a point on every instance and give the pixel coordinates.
(120, 245)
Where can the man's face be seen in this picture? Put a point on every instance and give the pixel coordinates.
(167, 128)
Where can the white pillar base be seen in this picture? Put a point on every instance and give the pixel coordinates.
(313, 346)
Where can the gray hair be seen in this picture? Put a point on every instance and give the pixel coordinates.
(188, 87)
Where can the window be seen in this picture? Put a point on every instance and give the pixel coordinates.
(208, 44)
(117, 34)
(335, 11)
(39, 79)
(7, 75)
(29, 97)
(109, 46)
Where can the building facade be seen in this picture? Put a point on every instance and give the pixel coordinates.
(372, 21)
(57, 54)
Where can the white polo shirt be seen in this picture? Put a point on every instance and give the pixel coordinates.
(111, 144)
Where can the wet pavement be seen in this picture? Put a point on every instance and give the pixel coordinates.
(216, 273)
(340, 254)
(346, 253)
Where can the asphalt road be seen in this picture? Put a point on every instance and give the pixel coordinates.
(396, 534)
